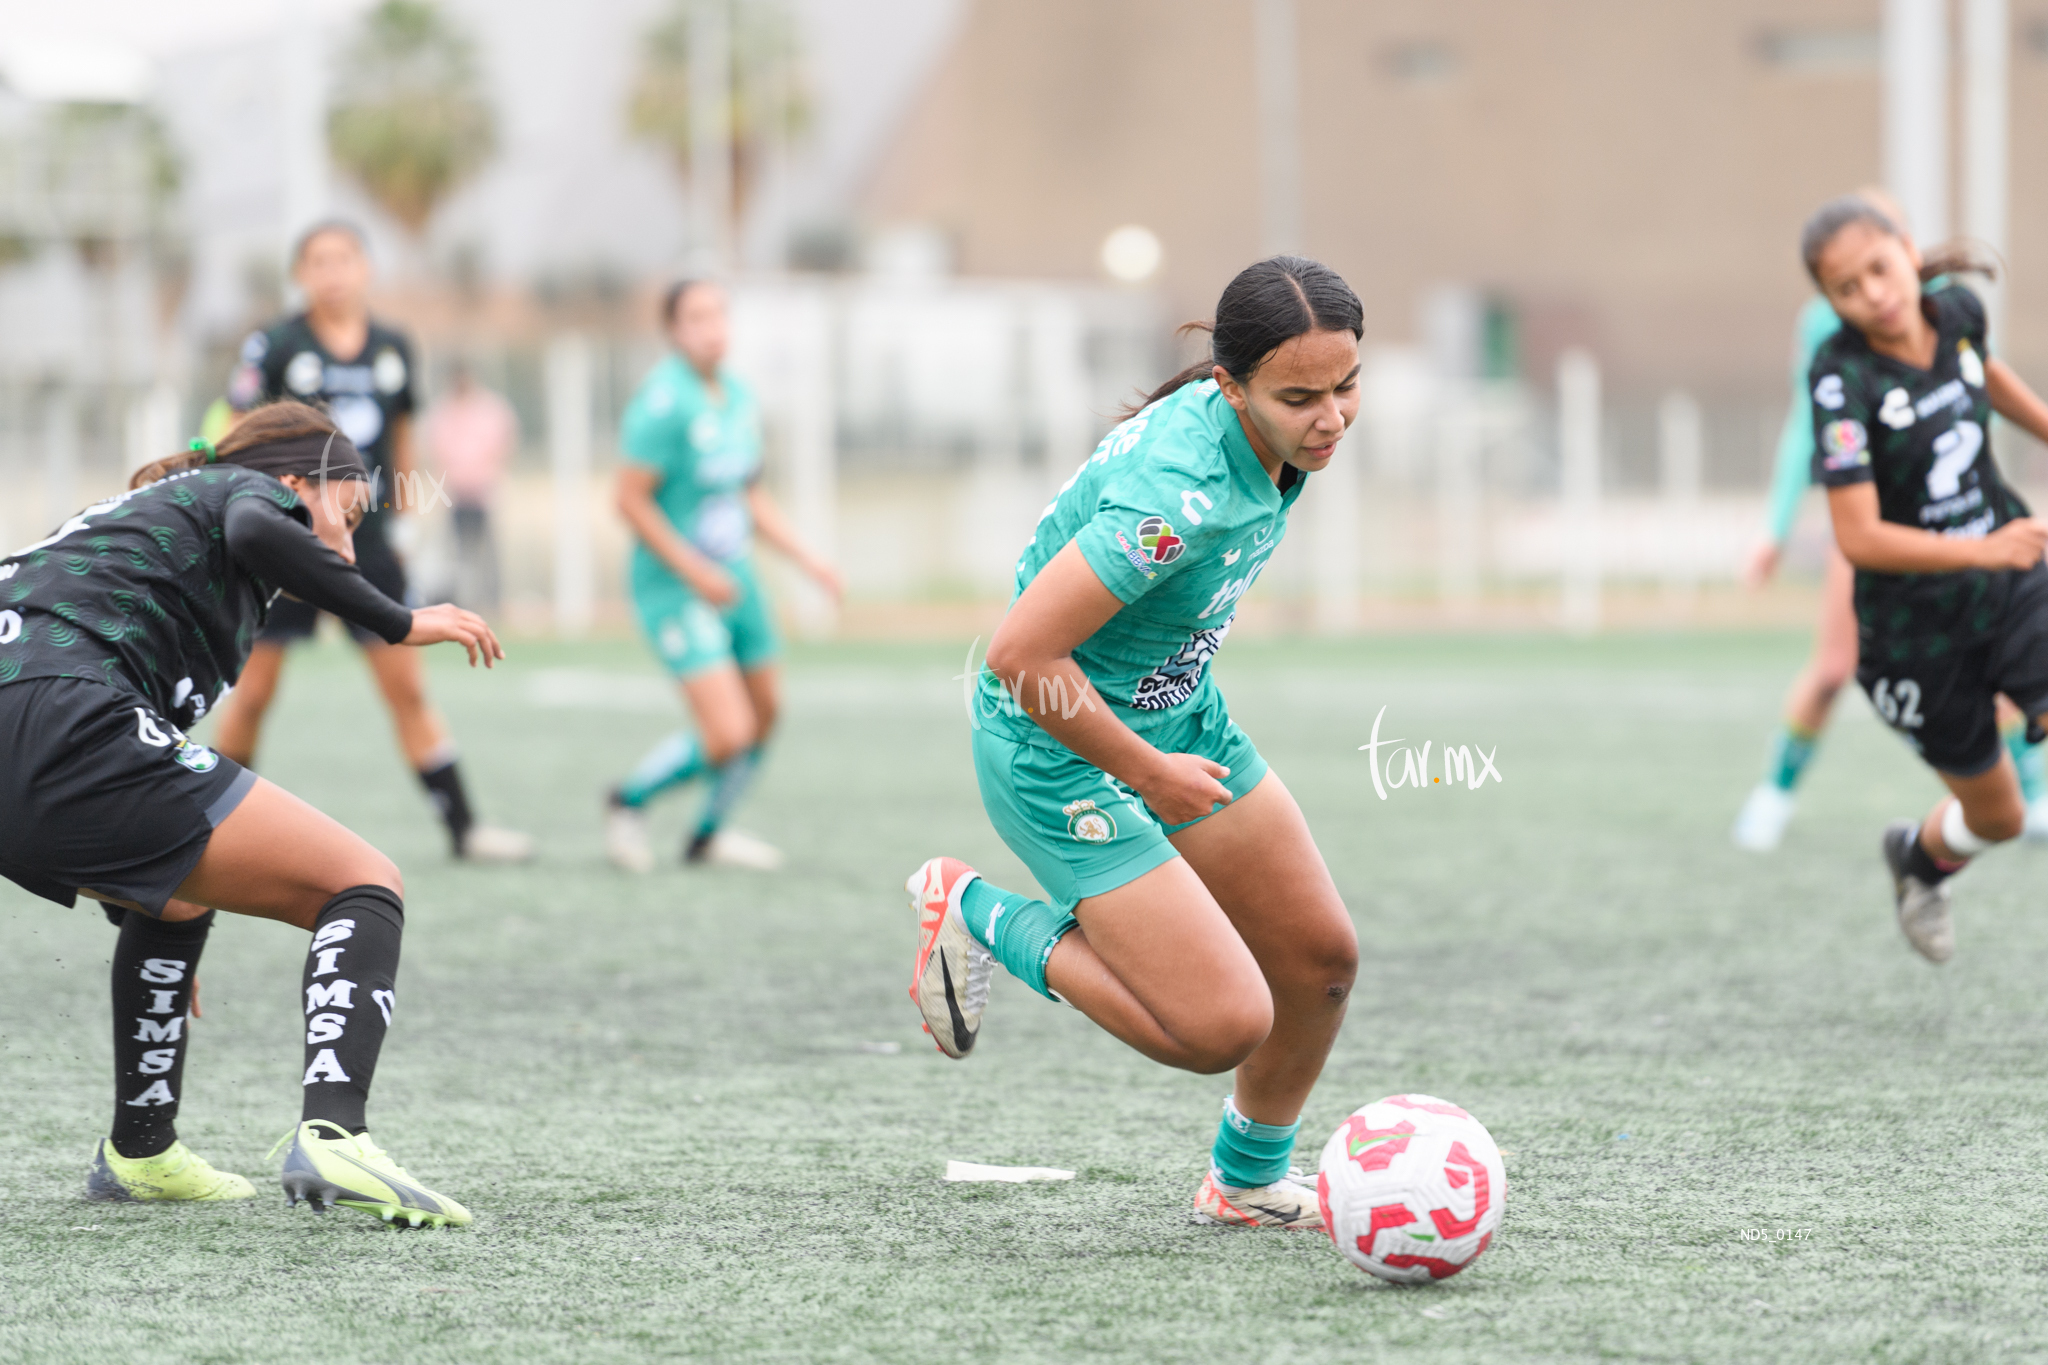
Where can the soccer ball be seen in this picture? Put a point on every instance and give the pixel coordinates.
(1412, 1188)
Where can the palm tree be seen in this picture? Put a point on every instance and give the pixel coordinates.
(409, 120)
(767, 99)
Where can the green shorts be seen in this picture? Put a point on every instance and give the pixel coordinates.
(691, 636)
(1079, 830)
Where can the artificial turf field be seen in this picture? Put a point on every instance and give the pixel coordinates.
(696, 1120)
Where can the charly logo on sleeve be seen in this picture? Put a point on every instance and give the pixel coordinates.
(1828, 393)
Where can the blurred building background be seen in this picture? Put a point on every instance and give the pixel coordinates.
(960, 234)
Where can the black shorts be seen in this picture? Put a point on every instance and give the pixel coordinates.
(101, 793)
(1943, 704)
(292, 620)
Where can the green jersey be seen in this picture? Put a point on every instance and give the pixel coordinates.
(1178, 518)
(707, 455)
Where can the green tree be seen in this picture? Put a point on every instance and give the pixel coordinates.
(768, 95)
(409, 119)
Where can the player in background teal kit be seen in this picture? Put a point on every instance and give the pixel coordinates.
(1760, 824)
(690, 490)
(1189, 912)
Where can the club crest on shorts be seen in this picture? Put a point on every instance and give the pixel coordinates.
(197, 757)
(1088, 823)
(1156, 535)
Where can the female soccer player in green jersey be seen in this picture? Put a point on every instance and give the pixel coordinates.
(1951, 592)
(1189, 911)
(691, 493)
(1760, 824)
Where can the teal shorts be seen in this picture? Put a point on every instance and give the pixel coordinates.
(1079, 830)
(691, 636)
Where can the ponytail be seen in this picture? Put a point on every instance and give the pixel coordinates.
(1266, 306)
(1958, 257)
(316, 446)
(1950, 258)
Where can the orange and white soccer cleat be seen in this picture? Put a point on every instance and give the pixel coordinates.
(950, 982)
(1289, 1202)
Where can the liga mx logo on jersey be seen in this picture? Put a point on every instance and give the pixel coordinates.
(1844, 444)
(1161, 544)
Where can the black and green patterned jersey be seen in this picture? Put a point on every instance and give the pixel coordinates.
(1923, 438)
(366, 394)
(161, 591)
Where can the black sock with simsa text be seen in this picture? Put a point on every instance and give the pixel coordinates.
(443, 782)
(350, 992)
(155, 965)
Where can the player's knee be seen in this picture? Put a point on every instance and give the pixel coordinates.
(1996, 824)
(728, 742)
(371, 868)
(1227, 1036)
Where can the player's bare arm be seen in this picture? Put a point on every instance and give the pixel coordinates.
(635, 501)
(1066, 604)
(1870, 542)
(772, 525)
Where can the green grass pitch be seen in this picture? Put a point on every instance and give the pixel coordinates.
(674, 1105)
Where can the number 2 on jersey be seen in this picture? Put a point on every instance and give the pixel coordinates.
(1955, 450)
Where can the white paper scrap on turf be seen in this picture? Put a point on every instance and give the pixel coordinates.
(1016, 1175)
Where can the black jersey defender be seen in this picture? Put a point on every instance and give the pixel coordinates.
(366, 395)
(1934, 648)
(126, 623)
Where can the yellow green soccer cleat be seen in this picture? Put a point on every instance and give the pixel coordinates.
(328, 1165)
(175, 1173)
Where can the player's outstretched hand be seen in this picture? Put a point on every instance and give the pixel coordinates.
(1761, 565)
(436, 625)
(715, 586)
(1187, 787)
(827, 577)
(2018, 544)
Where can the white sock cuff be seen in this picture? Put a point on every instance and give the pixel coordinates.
(1956, 834)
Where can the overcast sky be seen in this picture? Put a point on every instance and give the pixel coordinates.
(568, 189)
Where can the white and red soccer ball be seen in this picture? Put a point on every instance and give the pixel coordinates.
(1412, 1188)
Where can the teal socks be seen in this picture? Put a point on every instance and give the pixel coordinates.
(1021, 932)
(1248, 1154)
(733, 778)
(670, 763)
(2027, 758)
(1791, 750)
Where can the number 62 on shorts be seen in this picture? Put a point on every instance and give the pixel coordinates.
(1898, 703)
